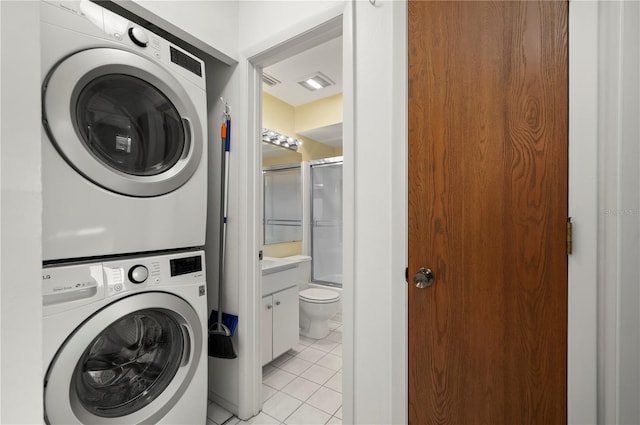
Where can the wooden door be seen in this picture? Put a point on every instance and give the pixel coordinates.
(488, 100)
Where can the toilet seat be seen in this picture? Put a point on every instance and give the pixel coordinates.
(319, 295)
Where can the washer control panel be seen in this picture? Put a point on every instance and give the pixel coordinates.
(74, 283)
(83, 283)
(148, 272)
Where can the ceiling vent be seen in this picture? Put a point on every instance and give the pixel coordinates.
(316, 82)
(270, 80)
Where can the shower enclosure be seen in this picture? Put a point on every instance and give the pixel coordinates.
(326, 221)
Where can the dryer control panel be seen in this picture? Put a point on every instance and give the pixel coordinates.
(91, 18)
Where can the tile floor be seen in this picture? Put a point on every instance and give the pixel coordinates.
(301, 387)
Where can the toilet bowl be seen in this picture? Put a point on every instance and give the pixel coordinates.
(317, 306)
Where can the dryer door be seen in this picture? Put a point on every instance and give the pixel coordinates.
(123, 122)
(129, 363)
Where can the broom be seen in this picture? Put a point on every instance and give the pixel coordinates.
(220, 342)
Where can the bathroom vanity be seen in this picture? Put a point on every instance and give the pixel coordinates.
(281, 278)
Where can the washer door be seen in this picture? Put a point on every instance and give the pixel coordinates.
(128, 364)
(122, 121)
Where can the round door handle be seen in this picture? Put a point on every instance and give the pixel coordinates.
(277, 302)
(423, 278)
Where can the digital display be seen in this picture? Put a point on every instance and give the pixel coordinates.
(186, 265)
(185, 61)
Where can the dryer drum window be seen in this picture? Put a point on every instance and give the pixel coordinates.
(129, 364)
(129, 125)
(124, 122)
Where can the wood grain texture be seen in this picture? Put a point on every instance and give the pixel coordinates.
(488, 119)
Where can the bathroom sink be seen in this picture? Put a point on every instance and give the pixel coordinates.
(281, 273)
(273, 264)
(268, 262)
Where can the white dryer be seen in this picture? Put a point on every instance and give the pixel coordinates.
(125, 341)
(124, 155)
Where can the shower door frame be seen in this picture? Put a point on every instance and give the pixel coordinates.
(324, 162)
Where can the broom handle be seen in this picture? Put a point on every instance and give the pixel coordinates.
(226, 138)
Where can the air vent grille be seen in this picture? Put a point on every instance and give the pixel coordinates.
(269, 80)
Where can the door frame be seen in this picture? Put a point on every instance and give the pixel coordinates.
(582, 326)
(302, 36)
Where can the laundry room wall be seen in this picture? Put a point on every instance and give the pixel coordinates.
(275, 18)
(213, 22)
(20, 215)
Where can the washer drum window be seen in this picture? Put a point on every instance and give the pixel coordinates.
(130, 362)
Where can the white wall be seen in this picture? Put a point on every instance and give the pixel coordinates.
(266, 23)
(21, 206)
(213, 22)
(619, 213)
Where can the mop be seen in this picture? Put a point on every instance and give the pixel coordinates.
(220, 337)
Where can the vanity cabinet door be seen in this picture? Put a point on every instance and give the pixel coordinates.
(267, 329)
(286, 323)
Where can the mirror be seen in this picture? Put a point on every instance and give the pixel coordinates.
(282, 197)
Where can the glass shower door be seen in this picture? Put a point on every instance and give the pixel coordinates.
(326, 221)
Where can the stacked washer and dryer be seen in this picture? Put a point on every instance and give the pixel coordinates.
(124, 221)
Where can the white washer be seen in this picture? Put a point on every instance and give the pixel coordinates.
(125, 341)
(124, 155)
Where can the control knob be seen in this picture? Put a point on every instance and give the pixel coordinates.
(138, 273)
(139, 36)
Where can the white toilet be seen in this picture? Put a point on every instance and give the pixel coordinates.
(317, 306)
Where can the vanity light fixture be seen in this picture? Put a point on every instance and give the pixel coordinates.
(275, 138)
